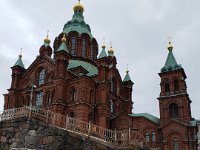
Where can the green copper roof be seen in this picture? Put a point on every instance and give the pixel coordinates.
(46, 44)
(102, 54)
(62, 47)
(127, 77)
(170, 64)
(77, 24)
(92, 70)
(19, 62)
(147, 116)
(193, 123)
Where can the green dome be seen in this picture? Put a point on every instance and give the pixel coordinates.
(77, 24)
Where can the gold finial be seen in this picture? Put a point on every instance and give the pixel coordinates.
(64, 38)
(47, 40)
(127, 71)
(20, 54)
(170, 46)
(104, 44)
(111, 51)
(78, 6)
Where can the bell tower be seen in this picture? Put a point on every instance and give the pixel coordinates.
(174, 100)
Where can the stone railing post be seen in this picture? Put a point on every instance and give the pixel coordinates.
(89, 128)
(67, 121)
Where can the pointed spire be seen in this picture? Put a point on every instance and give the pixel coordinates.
(127, 77)
(47, 40)
(19, 61)
(170, 64)
(63, 45)
(111, 51)
(103, 52)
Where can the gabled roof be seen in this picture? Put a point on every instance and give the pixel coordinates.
(102, 54)
(92, 70)
(19, 62)
(147, 116)
(62, 47)
(127, 77)
(170, 64)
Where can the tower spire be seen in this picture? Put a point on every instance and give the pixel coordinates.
(78, 6)
(19, 61)
(127, 77)
(103, 52)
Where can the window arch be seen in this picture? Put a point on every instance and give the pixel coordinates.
(176, 85)
(84, 48)
(73, 96)
(167, 87)
(147, 136)
(73, 45)
(41, 77)
(173, 110)
(91, 52)
(176, 144)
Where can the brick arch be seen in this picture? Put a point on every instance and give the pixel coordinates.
(171, 136)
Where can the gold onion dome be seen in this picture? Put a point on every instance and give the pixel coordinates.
(47, 40)
(78, 6)
(64, 38)
(111, 51)
(170, 46)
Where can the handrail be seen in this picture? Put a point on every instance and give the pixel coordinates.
(124, 138)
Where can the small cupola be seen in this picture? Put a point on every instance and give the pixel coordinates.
(45, 49)
(19, 62)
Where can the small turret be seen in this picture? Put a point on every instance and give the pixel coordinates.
(45, 49)
(103, 52)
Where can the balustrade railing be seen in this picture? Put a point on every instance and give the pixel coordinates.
(124, 138)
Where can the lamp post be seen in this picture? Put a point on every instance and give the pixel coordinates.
(32, 90)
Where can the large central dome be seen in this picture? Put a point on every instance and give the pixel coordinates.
(79, 40)
(77, 23)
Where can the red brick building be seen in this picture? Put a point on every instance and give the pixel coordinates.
(70, 79)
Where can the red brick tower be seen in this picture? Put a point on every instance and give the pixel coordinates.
(178, 128)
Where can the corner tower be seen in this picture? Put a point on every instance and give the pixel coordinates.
(176, 124)
(174, 100)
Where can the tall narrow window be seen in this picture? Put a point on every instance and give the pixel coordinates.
(73, 94)
(91, 52)
(113, 85)
(173, 110)
(84, 48)
(153, 136)
(49, 98)
(176, 145)
(73, 45)
(147, 136)
(176, 85)
(111, 106)
(72, 115)
(41, 77)
(167, 88)
(39, 99)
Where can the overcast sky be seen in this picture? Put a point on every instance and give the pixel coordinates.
(138, 30)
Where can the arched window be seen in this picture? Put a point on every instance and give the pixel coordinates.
(49, 98)
(113, 85)
(147, 136)
(111, 106)
(73, 94)
(176, 85)
(73, 45)
(41, 77)
(173, 110)
(153, 137)
(167, 87)
(72, 115)
(84, 48)
(90, 117)
(176, 145)
(39, 99)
